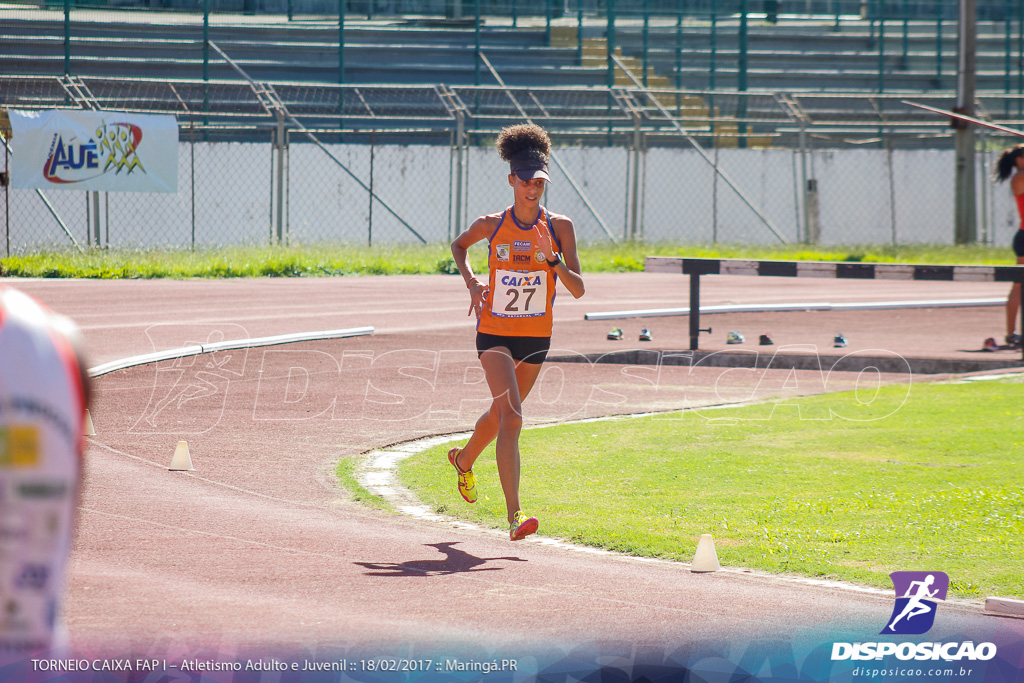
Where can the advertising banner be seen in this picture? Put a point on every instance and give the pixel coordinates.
(94, 150)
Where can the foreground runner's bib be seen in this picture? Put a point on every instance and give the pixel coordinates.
(519, 295)
(521, 286)
(41, 412)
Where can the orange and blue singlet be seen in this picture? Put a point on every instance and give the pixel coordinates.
(521, 286)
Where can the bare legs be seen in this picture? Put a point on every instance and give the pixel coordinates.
(1013, 305)
(510, 382)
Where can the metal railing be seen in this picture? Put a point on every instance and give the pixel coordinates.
(871, 46)
(826, 168)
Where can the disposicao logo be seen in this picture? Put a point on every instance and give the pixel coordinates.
(916, 595)
(913, 614)
(114, 147)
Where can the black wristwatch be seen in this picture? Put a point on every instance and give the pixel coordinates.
(552, 264)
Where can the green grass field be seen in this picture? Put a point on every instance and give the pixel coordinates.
(332, 260)
(930, 485)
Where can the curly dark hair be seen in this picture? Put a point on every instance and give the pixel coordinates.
(1007, 163)
(523, 137)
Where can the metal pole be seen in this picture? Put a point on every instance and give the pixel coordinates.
(892, 188)
(965, 211)
(547, 22)
(280, 177)
(206, 60)
(797, 220)
(476, 42)
(1006, 54)
(714, 54)
(938, 44)
(610, 53)
(982, 165)
(287, 189)
(369, 228)
(67, 37)
(192, 180)
(906, 33)
(679, 56)
(881, 46)
(714, 198)
(579, 35)
(341, 44)
(643, 187)
(460, 136)
(270, 194)
(451, 180)
(96, 218)
(636, 178)
(741, 105)
(874, 13)
(1020, 58)
(646, 37)
(626, 203)
(803, 178)
(694, 310)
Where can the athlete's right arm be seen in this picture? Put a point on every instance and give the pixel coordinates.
(481, 229)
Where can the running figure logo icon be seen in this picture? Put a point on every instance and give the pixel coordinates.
(916, 595)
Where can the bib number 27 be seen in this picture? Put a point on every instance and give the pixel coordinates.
(519, 295)
(513, 305)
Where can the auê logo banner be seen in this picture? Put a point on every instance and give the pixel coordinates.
(94, 150)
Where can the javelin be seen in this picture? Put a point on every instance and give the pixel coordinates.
(968, 119)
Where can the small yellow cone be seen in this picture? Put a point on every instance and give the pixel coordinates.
(182, 460)
(706, 558)
(87, 428)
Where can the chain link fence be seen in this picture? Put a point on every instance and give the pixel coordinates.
(394, 164)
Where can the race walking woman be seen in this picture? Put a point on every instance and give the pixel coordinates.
(529, 251)
(1011, 163)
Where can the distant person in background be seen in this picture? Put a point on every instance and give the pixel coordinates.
(43, 397)
(771, 11)
(1011, 163)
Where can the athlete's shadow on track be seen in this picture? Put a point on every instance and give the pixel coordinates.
(454, 562)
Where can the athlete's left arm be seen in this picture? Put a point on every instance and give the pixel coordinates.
(569, 270)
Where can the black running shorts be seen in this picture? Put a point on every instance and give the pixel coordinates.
(1018, 243)
(526, 349)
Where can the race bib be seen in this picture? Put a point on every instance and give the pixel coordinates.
(519, 295)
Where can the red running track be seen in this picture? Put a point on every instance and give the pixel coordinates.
(259, 550)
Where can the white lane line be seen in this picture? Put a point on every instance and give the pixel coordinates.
(255, 342)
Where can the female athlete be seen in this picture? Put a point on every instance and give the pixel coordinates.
(529, 251)
(1011, 162)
